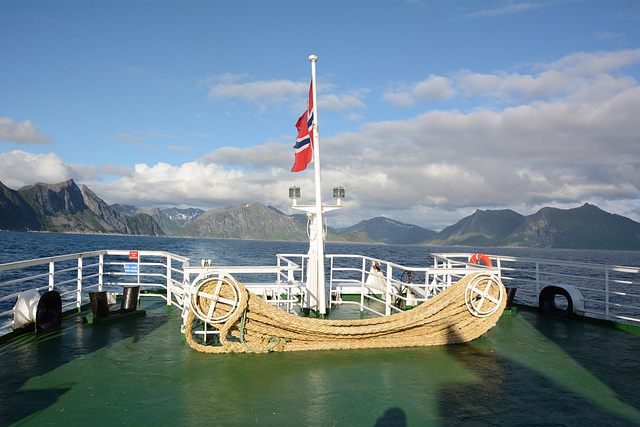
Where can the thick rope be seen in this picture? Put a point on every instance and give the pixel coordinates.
(257, 326)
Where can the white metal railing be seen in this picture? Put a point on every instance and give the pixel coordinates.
(610, 292)
(375, 281)
(281, 285)
(75, 275)
(149, 270)
(385, 287)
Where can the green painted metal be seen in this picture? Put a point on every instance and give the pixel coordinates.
(528, 370)
(117, 317)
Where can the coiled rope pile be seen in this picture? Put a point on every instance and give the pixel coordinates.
(460, 313)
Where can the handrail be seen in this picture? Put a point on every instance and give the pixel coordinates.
(610, 291)
(74, 275)
(599, 283)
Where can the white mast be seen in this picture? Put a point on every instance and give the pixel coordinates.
(319, 215)
(318, 293)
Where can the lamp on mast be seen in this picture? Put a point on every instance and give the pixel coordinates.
(318, 297)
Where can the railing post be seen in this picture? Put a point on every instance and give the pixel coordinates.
(279, 276)
(185, 281)
(139, 267)
(330, 279)
(362, 281)
(169, 281)
(290, 276)
(100, 271)
(79, 292)
(389, 287)
(606, 292)
(185, 265)
(537, 278)
(52, 272)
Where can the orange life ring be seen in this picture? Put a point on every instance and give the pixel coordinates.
(481, 257)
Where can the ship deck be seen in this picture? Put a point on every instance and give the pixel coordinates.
(527, 370)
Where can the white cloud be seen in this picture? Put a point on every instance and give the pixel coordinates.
(117, 170)
(263, 93)
(19, 168)
(401, 99)
(568, 135)
(22, 133)
(132, 139)
(607, 35)
(334, 102)
(138, 138)
(559, 152)
(260, 157)
(159, 133)
(576, 142)
(194, 183)
(584, 64)
(272, 93)
(433, 88)
(571, 75)
(509, 9)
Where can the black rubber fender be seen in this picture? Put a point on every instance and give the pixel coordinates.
(547, 304)
(49, 312)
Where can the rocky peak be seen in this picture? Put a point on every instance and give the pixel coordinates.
(245, 221)
(103, 210)
(49, 199)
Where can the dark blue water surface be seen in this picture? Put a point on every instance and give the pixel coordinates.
(15, 246)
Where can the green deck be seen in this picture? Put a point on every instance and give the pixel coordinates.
(527, 370)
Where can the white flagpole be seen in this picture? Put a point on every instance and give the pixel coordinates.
(319, 223)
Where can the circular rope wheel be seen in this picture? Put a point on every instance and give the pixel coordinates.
(215, 299)
(483, 295)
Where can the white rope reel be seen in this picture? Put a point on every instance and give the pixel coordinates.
(214, 297)
(483, 295)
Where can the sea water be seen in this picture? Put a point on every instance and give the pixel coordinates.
(18, 246)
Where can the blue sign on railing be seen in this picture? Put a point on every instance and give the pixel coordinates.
(131, 269)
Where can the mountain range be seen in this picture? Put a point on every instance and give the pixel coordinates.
(585, 227)
(64, 207)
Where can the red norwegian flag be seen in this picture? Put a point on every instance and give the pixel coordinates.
(304, 142)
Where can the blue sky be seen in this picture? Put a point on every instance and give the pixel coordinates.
(428, 110)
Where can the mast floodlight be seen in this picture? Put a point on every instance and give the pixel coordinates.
(294, 194)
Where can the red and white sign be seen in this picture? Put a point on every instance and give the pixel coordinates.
(133, 254)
